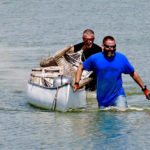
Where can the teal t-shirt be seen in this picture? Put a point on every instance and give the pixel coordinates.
(109, 72)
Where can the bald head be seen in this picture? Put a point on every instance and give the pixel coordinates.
(106, 38)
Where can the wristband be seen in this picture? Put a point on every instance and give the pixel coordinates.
(145, 88)
(76, 83)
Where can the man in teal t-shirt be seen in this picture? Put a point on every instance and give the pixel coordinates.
(109, 66)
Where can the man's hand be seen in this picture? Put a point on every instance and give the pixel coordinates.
(146, 92)
(76, 86)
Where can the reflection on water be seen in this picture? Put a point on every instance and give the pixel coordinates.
(32, 29)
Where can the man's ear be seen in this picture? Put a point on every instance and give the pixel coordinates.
(102, 47)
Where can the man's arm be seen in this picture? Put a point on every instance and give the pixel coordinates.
(78, 76)
(79, 73)
(139, 81)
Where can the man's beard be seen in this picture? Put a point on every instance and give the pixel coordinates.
(109, 53)
(88, 44)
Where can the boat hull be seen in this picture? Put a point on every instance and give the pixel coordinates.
(60, 99)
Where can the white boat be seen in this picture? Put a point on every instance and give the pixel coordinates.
(61, 98)
(51, 87)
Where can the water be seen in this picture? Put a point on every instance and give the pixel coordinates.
(33, 29)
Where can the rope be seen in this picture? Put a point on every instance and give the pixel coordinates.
(55, 100)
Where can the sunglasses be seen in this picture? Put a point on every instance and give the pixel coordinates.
(107, 46)
(88, 39)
